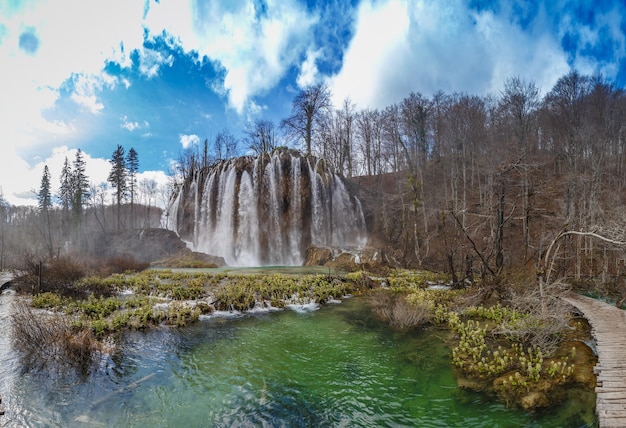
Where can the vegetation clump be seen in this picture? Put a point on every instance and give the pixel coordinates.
(159, 296)
(521, 373)
(515, 347)
(406, 279)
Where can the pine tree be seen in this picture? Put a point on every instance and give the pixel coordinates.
(80, 186)
(44, 196)
(65, 191)
(45, 203)
(118, 178)
(65, 195)
(132, 166)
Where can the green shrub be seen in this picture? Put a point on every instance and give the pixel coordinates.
(47, 300)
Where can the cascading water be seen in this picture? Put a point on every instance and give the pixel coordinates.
(266, 210)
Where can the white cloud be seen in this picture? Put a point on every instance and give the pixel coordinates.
(17, 180)
(255, 49)
(150, 62)
(308, 71)
(90, 102)
(72, 39)
(378, 45)
(133, 125)
(86, 86)
(188, 140)
(400, 46)
(605, 29)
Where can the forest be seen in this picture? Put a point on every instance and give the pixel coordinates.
(471, 185)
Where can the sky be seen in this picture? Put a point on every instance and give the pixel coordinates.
(162, 76)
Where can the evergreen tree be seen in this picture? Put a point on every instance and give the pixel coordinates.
(65, 191)
(132, 166)
(45, 203)
(44, 196)
(118, 178)
(80, 186)
(65, 195)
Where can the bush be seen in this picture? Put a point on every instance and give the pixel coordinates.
(62, 275)
(118, 264)
(50, 342)
(400, 313)
(56, 275)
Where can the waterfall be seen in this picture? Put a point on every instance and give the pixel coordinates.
(247, 245)
(295, 227)
(266, 210)
(319, 212)
(273, 175)
(196, 211)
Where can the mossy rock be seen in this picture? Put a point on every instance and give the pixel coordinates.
(534, 400)
(472, 384)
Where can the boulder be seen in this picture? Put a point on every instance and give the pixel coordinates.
(369, 259)
(147, 245)
(318, 256)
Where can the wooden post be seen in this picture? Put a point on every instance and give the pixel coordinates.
(39, 273)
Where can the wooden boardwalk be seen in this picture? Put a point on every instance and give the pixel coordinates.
(608, 325)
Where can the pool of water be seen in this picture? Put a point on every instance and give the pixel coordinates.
(334, 367)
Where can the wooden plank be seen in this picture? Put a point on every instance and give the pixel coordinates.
(612, 384)
(601, 377)
(612, 372)
(608, 324)
(612, 411)
(604, 390)
(620, 414)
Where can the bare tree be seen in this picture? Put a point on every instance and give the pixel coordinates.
(369, 133)
(563, 117)
(306, 108)
(98, 195)
(519, 103)
(261, 136)
(149, 190)
(225, 145)
(346, 118)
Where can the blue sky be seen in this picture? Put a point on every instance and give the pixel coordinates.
(158, 76)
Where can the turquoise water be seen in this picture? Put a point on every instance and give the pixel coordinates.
(335, 367)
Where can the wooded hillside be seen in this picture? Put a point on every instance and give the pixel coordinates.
(475, 185)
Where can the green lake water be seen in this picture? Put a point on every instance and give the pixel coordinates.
(334, 367)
